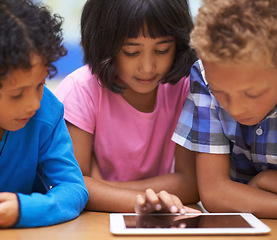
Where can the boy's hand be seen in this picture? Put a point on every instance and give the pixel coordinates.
(265, 180)
(162, 202)
(9, 209)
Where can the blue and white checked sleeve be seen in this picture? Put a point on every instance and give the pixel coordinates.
(199, 127)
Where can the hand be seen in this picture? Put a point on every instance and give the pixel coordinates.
(161, 202)
(254, 182)
(265, 180)
(9, 209)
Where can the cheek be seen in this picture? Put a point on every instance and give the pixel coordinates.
(123, 67)
(165, 64)
(41, 92)
(122, 71)
(8, 110)
(222, 98)
(171, 59)
(259, 107)
(172, 56)
(266, 105)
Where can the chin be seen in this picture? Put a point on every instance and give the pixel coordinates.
(249, 123)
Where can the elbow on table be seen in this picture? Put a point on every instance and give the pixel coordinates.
(210, 202)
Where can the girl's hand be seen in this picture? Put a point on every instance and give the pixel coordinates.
(160, 202)
(9, 209)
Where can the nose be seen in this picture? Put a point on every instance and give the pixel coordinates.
(147, 64)
(236, 106)
(33, 102)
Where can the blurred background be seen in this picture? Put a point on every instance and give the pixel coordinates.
(71, 11)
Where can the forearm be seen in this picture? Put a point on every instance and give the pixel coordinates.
(108, 198)
(185, 187)
(220, 194)
(237, 197)
(62, 203)
(182, 183)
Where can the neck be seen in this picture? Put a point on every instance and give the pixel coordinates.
(143, 102)
(2, 131)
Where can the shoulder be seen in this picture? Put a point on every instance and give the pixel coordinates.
(200, 92)
(180, 88)
(81, 83)
(80, 77)
(198, 74)
(82, 97)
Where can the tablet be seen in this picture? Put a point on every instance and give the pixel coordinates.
(188, 224)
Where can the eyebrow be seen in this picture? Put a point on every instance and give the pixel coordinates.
(22, 88)
(138, 44)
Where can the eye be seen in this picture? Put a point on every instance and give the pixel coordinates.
(131, 54)
(162, 52)
(254, 95)
(17, 96)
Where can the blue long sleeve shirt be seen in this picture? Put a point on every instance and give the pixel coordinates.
(43, 145)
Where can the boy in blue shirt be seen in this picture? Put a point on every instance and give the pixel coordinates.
(230, 116)
(35, 145)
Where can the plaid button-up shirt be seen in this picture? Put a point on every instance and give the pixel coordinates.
(204, 126)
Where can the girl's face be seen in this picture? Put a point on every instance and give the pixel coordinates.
(247, 93)
(142, 62)
(20, 95)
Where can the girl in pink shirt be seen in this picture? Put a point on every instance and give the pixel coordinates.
(122, 107)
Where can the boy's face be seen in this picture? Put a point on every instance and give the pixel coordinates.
(247, 92)
(20, 95)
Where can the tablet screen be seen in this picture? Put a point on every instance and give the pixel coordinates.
(202, 223)
(180, 221)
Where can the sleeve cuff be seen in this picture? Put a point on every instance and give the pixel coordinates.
(19, 211)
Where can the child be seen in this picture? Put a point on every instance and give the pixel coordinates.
(230, 117)
(121, 108)
(35, 143)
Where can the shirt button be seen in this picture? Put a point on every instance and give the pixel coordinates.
(259, 131)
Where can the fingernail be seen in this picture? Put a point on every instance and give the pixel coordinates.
(182, 225)
(158, 207)
(173, 209)
(182, 211)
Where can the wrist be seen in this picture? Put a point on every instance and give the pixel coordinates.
(19, 211)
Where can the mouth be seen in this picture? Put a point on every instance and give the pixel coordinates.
(146, 80)
(24, 120)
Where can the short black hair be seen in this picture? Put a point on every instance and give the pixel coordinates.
(106, 23)
(27, 29)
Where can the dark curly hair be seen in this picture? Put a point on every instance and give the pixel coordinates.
(27, 29)
(106, 23)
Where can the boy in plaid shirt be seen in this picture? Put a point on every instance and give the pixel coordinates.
(230, 116)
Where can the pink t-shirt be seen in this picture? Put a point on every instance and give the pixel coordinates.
(129, 144)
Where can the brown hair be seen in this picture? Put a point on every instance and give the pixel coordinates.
(237, 31)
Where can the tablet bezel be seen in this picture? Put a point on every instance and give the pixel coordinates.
(117, 227)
